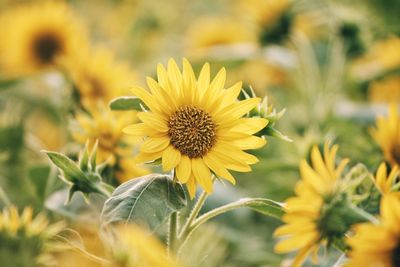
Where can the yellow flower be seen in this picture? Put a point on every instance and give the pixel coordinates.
(264, 12)
(384, 182)
(26, 240)
(387, 135)
(385, 91)
(383, 56)
(196, 126)
(39, 36)
(114, 146)
(303, 229)
(98, 78)
(137, 248)
(376, 245)
(211, 31)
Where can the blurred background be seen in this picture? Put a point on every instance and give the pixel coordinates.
(334, 65)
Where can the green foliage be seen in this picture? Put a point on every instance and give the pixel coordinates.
(147, 200)
(84, 178)
(127, 103)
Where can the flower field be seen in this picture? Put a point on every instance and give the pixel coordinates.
(226, 133)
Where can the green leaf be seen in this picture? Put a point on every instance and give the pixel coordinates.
(126, 103)
(69, 167)
(264, 206)
(148, 200)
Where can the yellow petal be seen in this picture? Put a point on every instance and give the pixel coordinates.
(218, 168)
(154, 144)
(138, 129)
(154, 121)
(170, 158)
(183, 170)
(202, 174)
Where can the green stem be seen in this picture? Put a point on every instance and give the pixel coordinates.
(195, 211)
(215, 212)
(172, 232)
(4, 198)
(102, 190)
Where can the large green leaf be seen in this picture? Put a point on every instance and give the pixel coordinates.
(126, 103)
(148, 200)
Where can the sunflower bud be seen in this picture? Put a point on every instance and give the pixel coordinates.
(338, 215)
(83, 176)
(267, 111)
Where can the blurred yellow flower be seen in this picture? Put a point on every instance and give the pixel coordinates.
(39, 36)
(26, 240)
(114, 147)
(303, 230)
(384, 182)
(387, 135)
(44, 132)
(263, 12)
(383, 56)
(212, 31)
(385, 91)
(98, 78)
(196, 126)
(135, 247)
(376, 245)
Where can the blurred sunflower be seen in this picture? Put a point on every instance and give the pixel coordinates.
(134, 247)
(98, 78)
(383, 56)
(383, 182)
(309, 222)
(208, 32)
(387, 135)
(38, 36)
(114, 147)
(26, 240)
(376, 245)
(385, 91)
(196, 126)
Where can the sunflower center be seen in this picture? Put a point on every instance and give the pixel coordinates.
(396, 153)
(46, 47)
(192, 131)
(396, 255)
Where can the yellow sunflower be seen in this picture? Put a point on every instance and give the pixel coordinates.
(387, 135)
(39, 36)
(212, 31)
(385, 91)
(378, 245)
(383, 56)
(196, 126)
(383, 182)
(303, 230)
(98, 78)
(135, 247)
(26, 240)
(264, 12)
(114, 146)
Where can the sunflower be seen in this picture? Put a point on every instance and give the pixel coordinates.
(383, 56)
(307, 219)
(385, 91)
(383, 182)
(196, 126)
(135, 247)
(98, 78)
(26, 240)
(376, 245)
(387, 135)
(38, 36)
(212, 31)
(114, 147)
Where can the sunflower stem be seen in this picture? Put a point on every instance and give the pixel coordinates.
(184, 233)
(172, 232)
